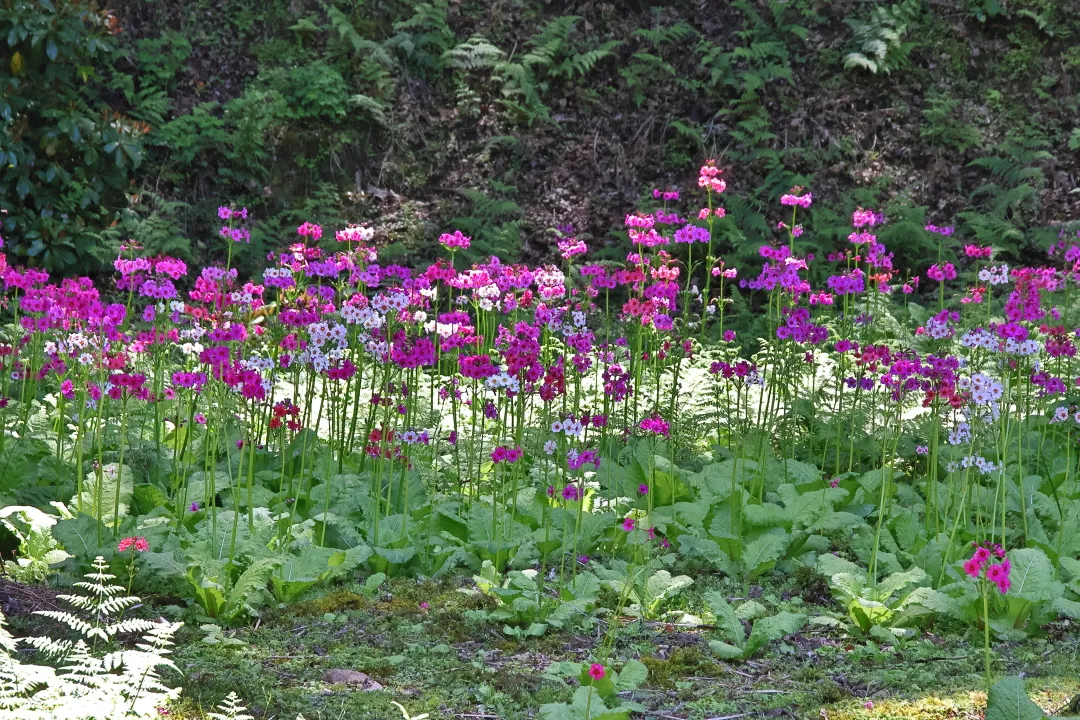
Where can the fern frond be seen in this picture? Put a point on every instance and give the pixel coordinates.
(125, 683)
(476, 52)
(129, 625)
(858, 60)
(230, 709)
(359, 43)
(87, 630)
(371, 106)
(582, 63)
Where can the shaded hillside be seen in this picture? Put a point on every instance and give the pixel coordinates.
(505, 119)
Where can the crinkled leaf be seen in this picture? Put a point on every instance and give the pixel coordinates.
(774, 627)
(727, 622)
(898, 581)
(1067, 608)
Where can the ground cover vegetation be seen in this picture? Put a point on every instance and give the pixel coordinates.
(669, 469)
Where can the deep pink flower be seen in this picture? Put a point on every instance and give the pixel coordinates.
(596, 671)
(656, 425)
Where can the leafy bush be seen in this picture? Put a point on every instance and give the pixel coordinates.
(67, 155)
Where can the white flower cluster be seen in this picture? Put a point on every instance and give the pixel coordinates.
(570, 428)
(384, 303)
(502, 380)
(1023, 347)
(258, 364)
(979, 338)
(996, 275)
(1061, 414)
(984, 466)
(984, 389)
(938, 329)
(961, 434)
(366, 317)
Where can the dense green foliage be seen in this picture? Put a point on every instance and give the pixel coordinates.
(508, 118)
(66, 153)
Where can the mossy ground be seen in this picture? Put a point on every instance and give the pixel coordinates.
(437, 661)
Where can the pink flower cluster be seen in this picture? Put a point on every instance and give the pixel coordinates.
(942, 272)
(139, 543)
(455, 241)
(997, 573)
(797, 198)
(709, 177)
(506, 454)
(656, 425)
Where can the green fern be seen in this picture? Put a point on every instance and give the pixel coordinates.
(476, 52)
(880, 40)
(425, 36)
(493, 222)
(341, 24)
(660, 36)
(942, 127)
(583, 63)
(1014, 161)
(519, 90)
(375, 109)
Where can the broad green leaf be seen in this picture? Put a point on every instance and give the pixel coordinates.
(833, 521)
(725, 651)
(1067, 608)
(98, 497)
(761, 554)
(727, 622)
(1008, 700)
(767, 515)
(662, 585)
(632, 676)
(931, 599)
(750, 610)
(165, 564)
(1032, 576)
(801, 473)
(829, 565)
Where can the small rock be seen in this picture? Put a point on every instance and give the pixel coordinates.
(350, 677)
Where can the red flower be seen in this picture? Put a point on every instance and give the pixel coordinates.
(139, 543)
